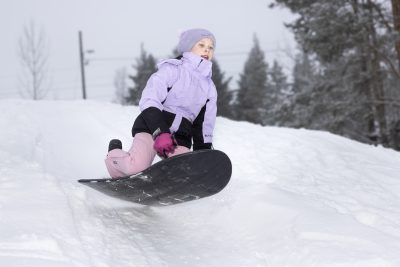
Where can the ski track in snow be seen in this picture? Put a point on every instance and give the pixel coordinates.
(296, 198)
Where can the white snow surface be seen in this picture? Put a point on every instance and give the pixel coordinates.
(296, 197)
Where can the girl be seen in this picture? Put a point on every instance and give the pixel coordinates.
(178, 106)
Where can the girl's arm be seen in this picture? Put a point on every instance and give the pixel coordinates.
(154, 94)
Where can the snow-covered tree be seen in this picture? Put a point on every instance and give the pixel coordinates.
(145, 66)
(277, 96)
(224, 103)
(252, 86)
(349, 41)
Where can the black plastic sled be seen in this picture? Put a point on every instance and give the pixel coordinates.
(178, 179)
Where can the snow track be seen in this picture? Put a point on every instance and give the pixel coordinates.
(296, 198)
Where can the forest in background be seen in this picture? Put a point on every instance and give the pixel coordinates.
(345, 77)
(345, 80)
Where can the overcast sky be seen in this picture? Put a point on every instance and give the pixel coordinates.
(116, 28)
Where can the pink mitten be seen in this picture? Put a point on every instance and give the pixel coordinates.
(164, 144)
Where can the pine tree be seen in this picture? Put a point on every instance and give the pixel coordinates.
(252, 86)
(348, 40)
(278, 94)
(224, 103)
(145, 67)
(304, 85)
(396, 26)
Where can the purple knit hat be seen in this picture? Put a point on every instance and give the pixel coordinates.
(190, 37)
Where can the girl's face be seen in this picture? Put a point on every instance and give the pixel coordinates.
(204, 48)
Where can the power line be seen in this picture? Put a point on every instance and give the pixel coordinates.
(111, 59)
(224, 54)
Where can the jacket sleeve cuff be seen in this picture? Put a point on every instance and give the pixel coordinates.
(202, 146)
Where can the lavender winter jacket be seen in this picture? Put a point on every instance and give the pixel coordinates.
(191, 89)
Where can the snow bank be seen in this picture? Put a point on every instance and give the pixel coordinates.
(297, 197)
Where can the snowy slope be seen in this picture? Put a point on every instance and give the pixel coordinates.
(297, 197)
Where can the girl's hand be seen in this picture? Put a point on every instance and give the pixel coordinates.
(164, 144)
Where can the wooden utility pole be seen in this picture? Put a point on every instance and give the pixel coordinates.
(82, 60)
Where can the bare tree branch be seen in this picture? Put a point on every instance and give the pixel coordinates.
(33, 55)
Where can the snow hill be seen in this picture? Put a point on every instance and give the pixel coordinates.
(296, 198)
